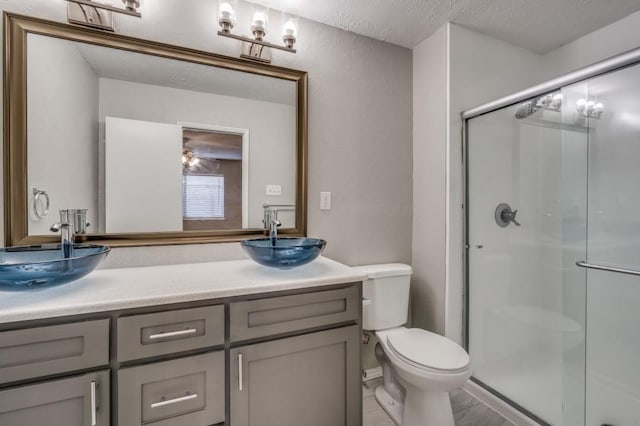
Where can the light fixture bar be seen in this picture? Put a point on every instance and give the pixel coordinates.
(107, 7)
(249, 40)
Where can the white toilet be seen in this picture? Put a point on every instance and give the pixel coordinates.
(419, 367)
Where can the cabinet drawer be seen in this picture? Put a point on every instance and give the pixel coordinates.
(264, 317)
(161, 333)
(185, 391)
(42, 351)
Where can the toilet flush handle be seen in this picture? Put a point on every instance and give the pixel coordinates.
(366, 302)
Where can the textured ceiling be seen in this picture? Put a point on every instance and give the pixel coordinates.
(537, 25)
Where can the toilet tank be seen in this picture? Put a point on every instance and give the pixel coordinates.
(385, 295)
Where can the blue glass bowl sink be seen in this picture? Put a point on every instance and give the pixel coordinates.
(287, 252)
(29, 267)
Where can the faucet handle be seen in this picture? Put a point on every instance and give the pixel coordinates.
(270, 217)
(80, 222)
(512, 217)
(55, 227)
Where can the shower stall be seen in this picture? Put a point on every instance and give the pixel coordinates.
(553, 246)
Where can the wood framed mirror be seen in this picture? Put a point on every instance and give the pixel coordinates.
(162, 144)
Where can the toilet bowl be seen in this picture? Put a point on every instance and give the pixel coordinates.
(427, 366)
(419, 367)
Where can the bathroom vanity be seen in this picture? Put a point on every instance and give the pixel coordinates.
(195, 344)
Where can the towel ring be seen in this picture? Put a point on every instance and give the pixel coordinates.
(37, 195)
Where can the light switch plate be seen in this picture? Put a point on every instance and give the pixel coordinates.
(273, 190)
(325, 201)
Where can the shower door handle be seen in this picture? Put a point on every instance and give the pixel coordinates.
(587, 265)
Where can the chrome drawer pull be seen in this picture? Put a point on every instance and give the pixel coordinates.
(94, 420)
(173, 333)
(174, 400)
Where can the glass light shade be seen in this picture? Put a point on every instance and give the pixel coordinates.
(227, 14)
(259, 21)
(131, 5)
(290, 29)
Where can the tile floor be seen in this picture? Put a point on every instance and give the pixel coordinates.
(467, 411)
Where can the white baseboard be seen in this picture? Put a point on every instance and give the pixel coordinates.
(498, 405)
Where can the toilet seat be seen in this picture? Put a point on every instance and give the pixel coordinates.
(428, 351)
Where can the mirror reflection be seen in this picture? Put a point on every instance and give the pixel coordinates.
(152, 144)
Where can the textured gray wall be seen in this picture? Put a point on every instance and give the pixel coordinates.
(359, 129)
(430, 85)
(448, 69)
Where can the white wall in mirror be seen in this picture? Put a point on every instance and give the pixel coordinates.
(64, 122)
(62, 106)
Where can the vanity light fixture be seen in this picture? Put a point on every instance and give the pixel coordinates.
(98, 15)
(589, 108)
(257, 48)
(551, 102)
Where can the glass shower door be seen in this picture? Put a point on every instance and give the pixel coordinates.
(613, 339)
(526, 297)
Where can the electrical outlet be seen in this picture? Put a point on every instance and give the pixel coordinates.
(273, 190)
(325, 201)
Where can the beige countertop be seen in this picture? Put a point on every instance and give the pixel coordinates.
(114, 289)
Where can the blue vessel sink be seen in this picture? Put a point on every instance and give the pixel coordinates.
(28, 267)
(287, 253)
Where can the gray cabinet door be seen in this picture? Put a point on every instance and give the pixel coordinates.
(311, 380)
(76, 401)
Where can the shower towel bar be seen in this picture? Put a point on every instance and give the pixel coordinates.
(607, 268)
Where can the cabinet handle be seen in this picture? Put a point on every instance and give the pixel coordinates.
(94, 420)
(173, 333)
(174, 400)
(240, 372)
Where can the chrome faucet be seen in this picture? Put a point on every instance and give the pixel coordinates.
(72, 222)
(270, 218)
(273, 227)
(271, 223)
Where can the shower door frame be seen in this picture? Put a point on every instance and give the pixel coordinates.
(612, 64)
